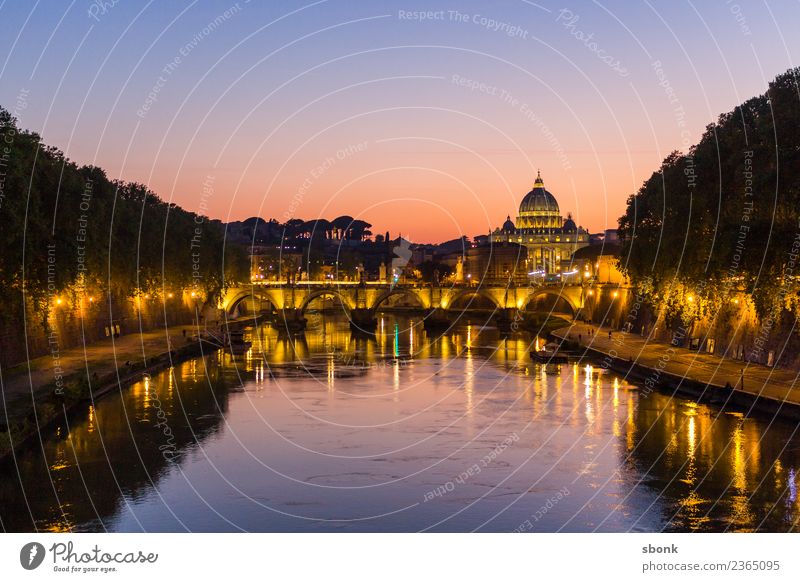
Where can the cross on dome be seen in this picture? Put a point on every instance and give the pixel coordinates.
(539, 183)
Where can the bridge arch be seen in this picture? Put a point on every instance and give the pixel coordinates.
(343, 299)
(552, 301)
(395, 292)
(235, 299)
(476, 292)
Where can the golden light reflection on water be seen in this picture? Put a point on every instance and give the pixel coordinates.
(692, 502)
(587, 397)
(616, 426)
(699, 459)
(700, 469)
(738, 459)
(599, 402)
(331, 361)
(469, 376)
(692, 438)
(630, 427)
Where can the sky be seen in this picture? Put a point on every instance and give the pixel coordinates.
(427, 119)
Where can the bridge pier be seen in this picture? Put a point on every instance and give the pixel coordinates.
(363, 320)
(436, 319)
(508, 319)
(290, 320)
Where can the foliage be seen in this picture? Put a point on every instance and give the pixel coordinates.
(432, 269)
(69, 230)
(725, 216)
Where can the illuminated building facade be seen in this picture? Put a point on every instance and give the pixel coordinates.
(549, 238)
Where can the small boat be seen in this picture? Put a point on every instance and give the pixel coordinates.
(209, 339)
(551, 354)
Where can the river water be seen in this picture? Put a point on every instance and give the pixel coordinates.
(401, 433)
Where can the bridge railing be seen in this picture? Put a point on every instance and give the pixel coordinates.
(464, 285)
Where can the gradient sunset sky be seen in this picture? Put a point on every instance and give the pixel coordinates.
(430, 128)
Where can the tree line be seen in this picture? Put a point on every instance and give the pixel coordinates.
(70, 231)
(723, 219)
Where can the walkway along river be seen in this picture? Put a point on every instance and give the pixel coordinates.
(401, 433)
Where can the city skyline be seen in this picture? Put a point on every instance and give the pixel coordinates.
(442, 115)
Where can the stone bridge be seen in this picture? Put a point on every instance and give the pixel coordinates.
(362, 300)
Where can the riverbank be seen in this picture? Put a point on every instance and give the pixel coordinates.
(707, 377)
(38, 393)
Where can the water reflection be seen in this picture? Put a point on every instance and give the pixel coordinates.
(331, 432)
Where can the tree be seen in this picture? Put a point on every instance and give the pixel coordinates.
(725, 216)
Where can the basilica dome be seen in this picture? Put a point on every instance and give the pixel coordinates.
(539, 208)
(549, 239)
(539, 199)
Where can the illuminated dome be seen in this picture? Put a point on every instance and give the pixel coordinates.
(539, 208)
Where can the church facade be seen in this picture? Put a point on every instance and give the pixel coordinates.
(550, 239)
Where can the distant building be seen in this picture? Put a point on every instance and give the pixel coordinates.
(547, 236)
(500, 263)
(600, 262)
(610, 235)
(422, 253)
(482, 239)
(274, 262)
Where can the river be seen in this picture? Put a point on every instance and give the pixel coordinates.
(401, 433)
